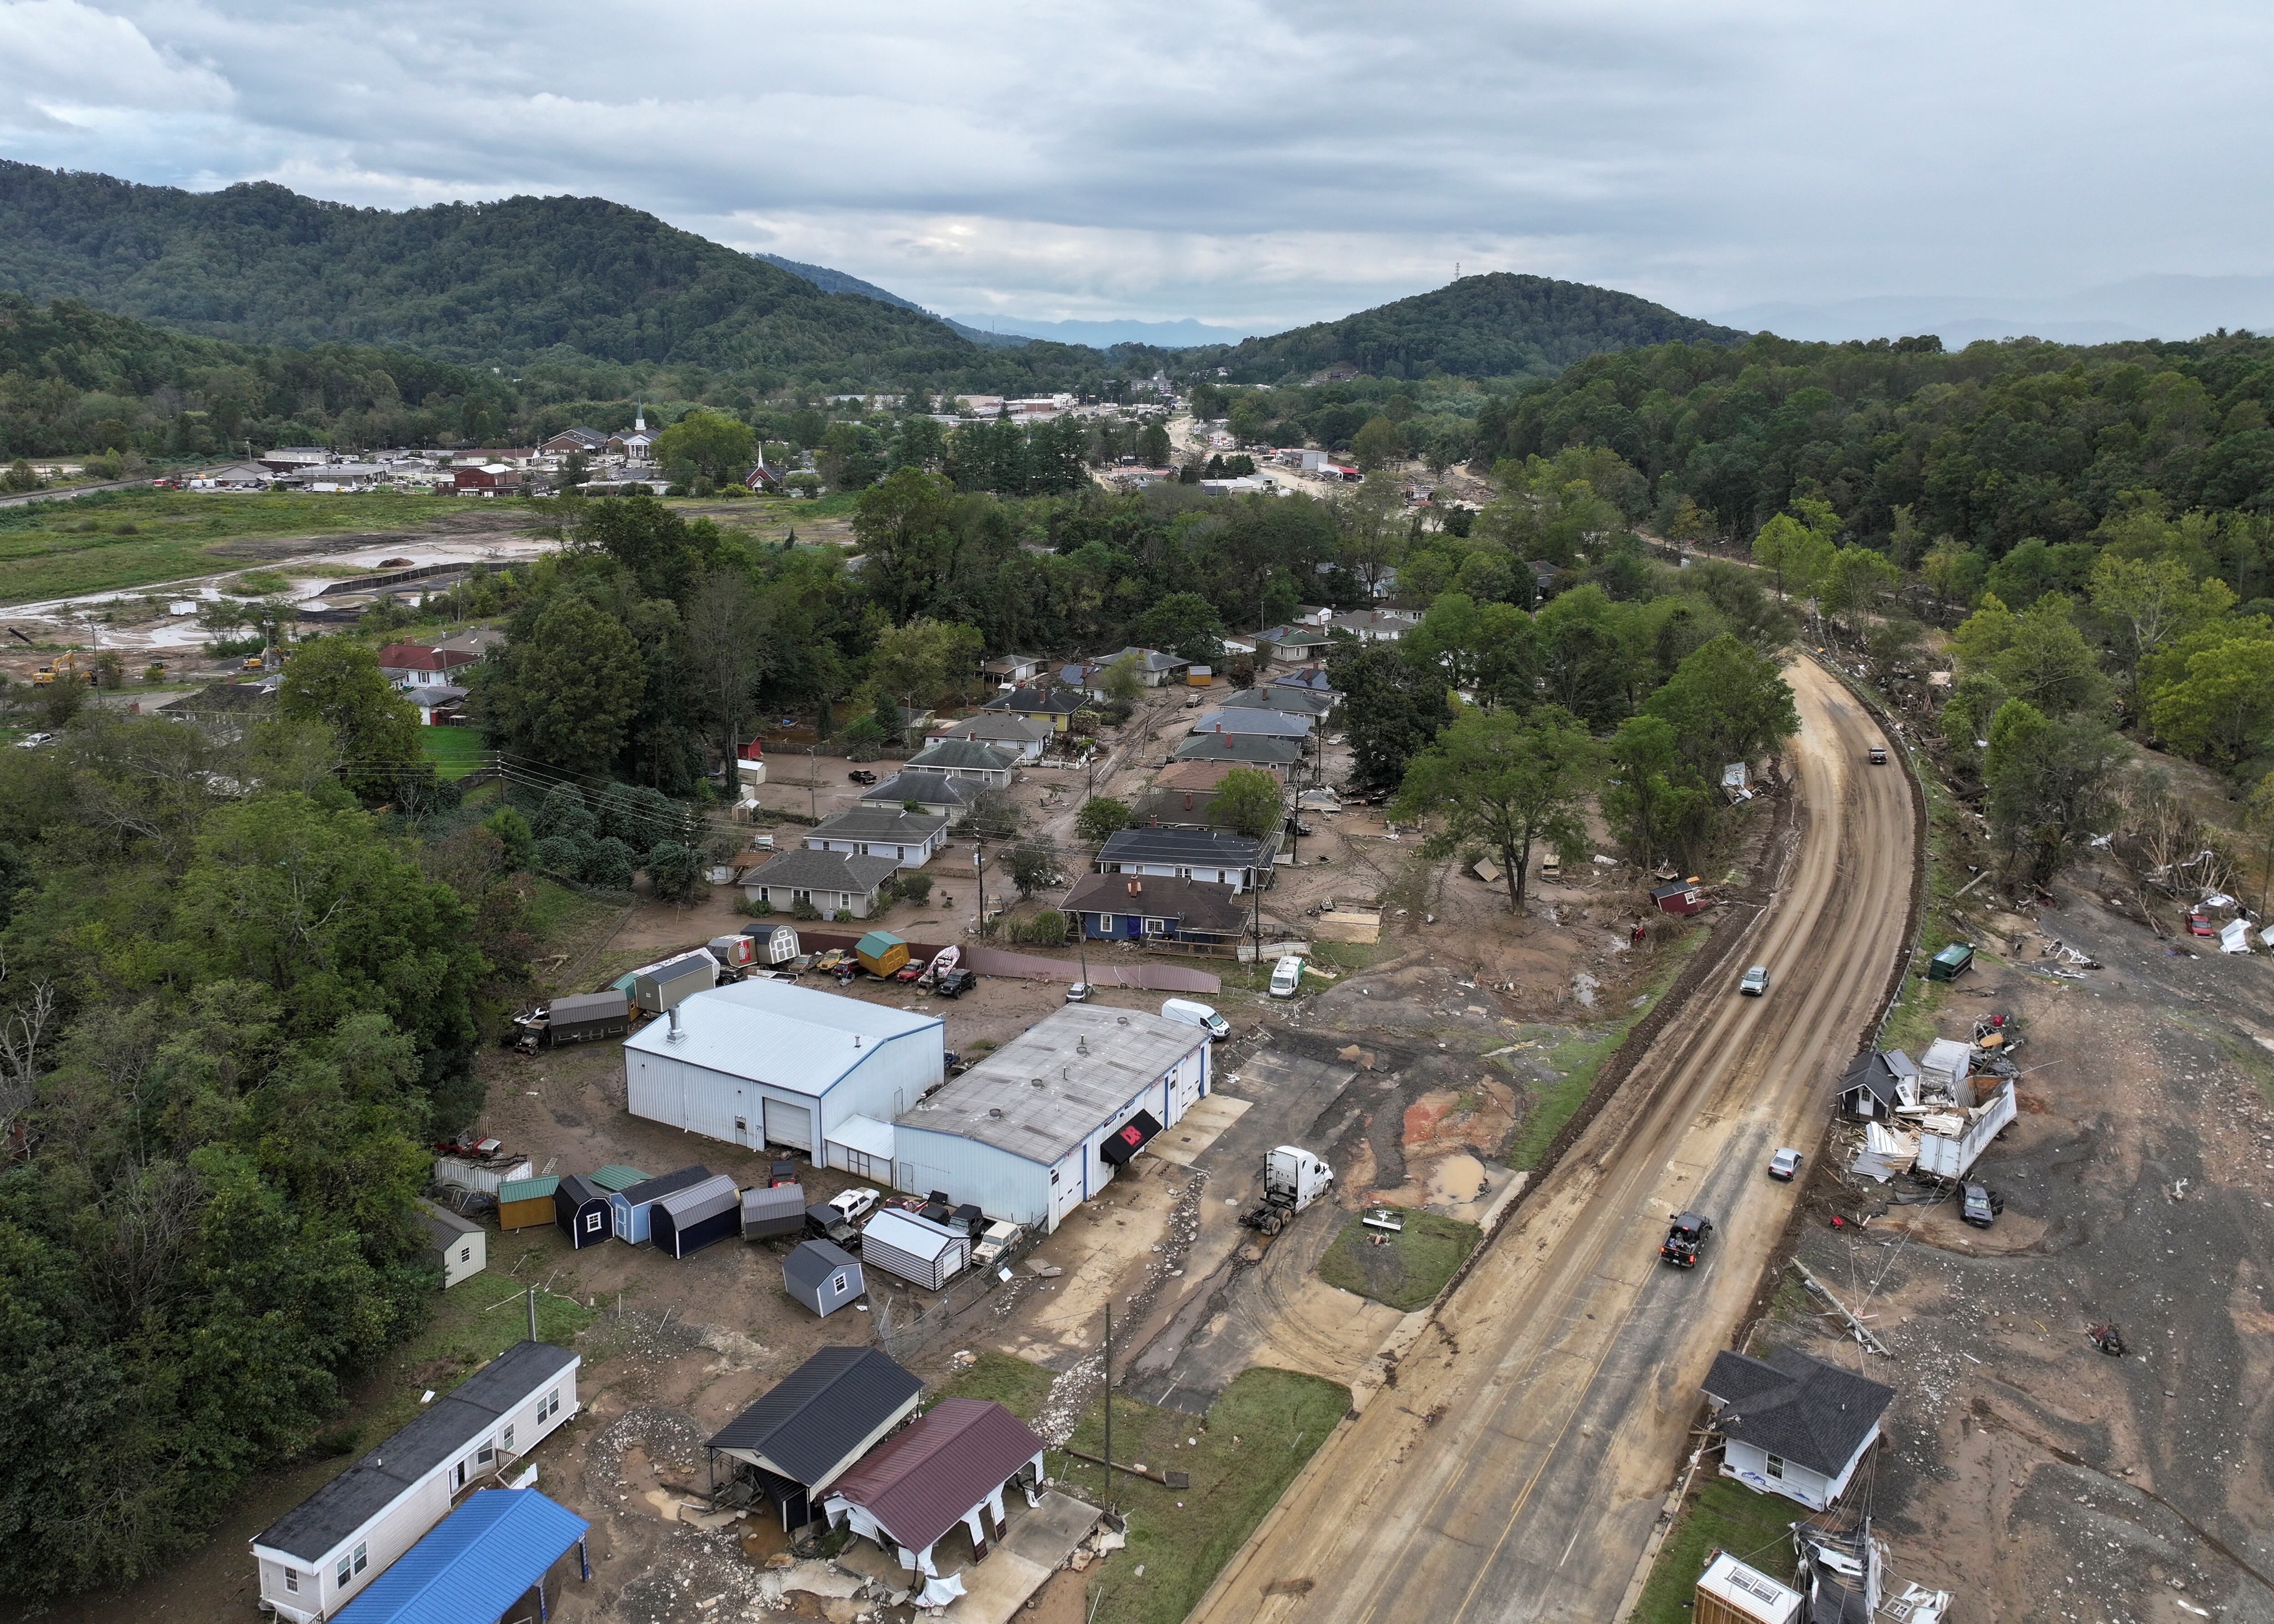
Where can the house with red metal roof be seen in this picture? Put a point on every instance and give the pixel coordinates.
(950, 1466)
(414, 664)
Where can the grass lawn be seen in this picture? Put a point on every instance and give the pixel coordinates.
(1409, 1268)
(1581, 1057)
(455, 751)
(109, 541)
(1722, 1516)
(1247, 1450)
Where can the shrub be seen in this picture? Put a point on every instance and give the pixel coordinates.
(843, 916)
(675, 871)
(915, 888)
(609, 862)
(803, 909)
(514, 834)
(561, 802)
(1047, 929)
(757, 907)
(556, 854)
(864, 740)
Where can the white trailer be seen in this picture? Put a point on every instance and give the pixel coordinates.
(483, 1176)
(1949, 1142)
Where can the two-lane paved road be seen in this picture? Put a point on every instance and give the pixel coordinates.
(1516, 1471)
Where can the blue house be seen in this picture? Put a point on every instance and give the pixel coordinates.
(1128, 907)
(480, 1562)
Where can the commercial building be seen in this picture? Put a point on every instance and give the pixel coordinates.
(766, 1063)
(333, 1544)
(1045, 1122)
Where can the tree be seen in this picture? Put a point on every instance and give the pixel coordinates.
(1186, 624)
(1505, 783)
(1795, 552)
(2148, 603)
(674, 870)
(903, 524)
(567, 694)
(717, 446)
(728, 637)
(1101, 817)
(1856, 581)
(2049, 783)
(1643, 802)
(2258, 819)
(1248, 801)
(1374, 530)
(926, 662)
(1031, 864)
(338, 683)
(514, 835)
(2048, 662)
(2213, 695)
(1122, 683)
(1376, 442)
(1391, 708)
(1153, 443)
(1725, 703)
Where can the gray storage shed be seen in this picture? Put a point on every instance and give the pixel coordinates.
(663, 986)
(687, 1220)
(823, 1276)
(780, 1210)
(919, 1251)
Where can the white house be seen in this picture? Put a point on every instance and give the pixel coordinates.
(322, 1551)
(1793, 1425)
(1019, 736)
(1210, 854)
(966, 758)
(909, 839)
(833, 882)
(763, 1063)
(1045, 1122)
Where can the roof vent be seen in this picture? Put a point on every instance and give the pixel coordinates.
(1121, 1020)
(676, 1034)
(1035, 1082)
(1081, 1046)
(994, 1113)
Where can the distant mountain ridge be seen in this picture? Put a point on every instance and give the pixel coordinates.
(830, 281)
(490, 281)
(1498, 325)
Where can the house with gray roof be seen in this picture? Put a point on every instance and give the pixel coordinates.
(813, 1425)
(832, 882)
(1214, 855)
(1254, 749)
(1022, 736)
(1294, 701)
(1039, 703)
(984, 764)
(1792, 1425)
(1262, 720)
(942, 795)
(909, 839)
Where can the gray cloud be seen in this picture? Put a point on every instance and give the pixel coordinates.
(1254, 163)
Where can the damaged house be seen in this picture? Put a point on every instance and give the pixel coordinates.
(1792, 1425)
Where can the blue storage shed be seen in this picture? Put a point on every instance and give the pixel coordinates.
(581, 1209)
(478, 1565)
(629, 1209)
(687, 1220)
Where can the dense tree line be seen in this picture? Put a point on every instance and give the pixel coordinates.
(235, 1007)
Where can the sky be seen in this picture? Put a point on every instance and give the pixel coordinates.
(1257, 165)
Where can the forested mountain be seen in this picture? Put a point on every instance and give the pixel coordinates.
(843, 282)
(486, 283)
(1996, 446)
(1498, 326)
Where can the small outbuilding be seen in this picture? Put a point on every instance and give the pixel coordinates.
(881, 953)
(629, 1210)
(580, 1207)
(950, 1466)
(527, 1203)
(616, 1176)
(1793, 1425)
(1729, 1592)
(1877, 1083)
(915, 1248)
(684, 1221)
(665, 986)
(809, 1429)
(1678, 896)
(775, 1209)
(459, 1246)
(823, 1276)
(500, 1555)
(1952, 962)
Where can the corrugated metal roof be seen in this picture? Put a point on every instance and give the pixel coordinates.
(773, 1201)
(1041, 1094)
(616, 1176)
(313, 1528)
(528, 1189)
(864, 1134)
(815, 1416)
(919, 1237)
(922, 1481)
(793, 1038)
(664, 1184)
(1188, 846)
(475, 1563)
(696, 1202)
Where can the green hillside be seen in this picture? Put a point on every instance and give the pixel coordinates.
(1499, 326)
(478, 282)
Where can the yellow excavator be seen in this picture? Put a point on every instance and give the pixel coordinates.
(70, 666)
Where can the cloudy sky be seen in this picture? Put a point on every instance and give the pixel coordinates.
(1249, 164)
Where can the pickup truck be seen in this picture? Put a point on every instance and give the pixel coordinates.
(1685, 1239)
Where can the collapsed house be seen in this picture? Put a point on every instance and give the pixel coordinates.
(1842, 1570)
(1932, 1117)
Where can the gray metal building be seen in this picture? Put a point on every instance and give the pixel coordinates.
(1045, 1122)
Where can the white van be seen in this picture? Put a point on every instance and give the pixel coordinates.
(1197, 1015)
(1287, 977)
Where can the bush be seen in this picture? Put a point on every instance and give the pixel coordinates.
(557, 854)
(1047, 929)
(754, 907)
(609, 862)
(864, 740)
(675, 871)
(843, 916)
(514, 835)
(803, 909)
(561, 803)
(915, 888)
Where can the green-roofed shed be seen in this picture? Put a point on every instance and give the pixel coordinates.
(617, 1177)
(881, 952)
(526, 1203)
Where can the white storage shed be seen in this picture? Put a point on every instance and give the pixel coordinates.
(915, 1248)
(1045, 1122)
(460, 1245)
(767, 1062)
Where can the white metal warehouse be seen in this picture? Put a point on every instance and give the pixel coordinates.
(762, 1063)
(1045, 1122)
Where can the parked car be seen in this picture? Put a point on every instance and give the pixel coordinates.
(1287, 976)
(861, 775)
(33, 742)
(997, 1240)
(853, 1205)
(1297, 826)
(2198, 924)
(1979, 1204)
(1077, 993)
(1877, 756)
(1755, 982)
(1785, 1164)
(955, 983)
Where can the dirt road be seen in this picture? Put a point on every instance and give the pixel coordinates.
(1516, 1469)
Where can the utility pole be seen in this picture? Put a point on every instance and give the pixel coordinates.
(813, 780)
(1109, 1406)
(532, 1313)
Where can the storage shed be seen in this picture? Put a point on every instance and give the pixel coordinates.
(1729, 1592)
(1036, 1129)
(778, 1210)
(881, 952)
(687, 1220)
(459, 1246)
(526, 1203)
(950, 1466)
(629, 1210)
(470, 1173)
(780, 944)
(665, 986)
(919, 1251)
(342, 1536)
(580, 1207)
(819, 1419)
(823, 1276)
(615, 1177)
(493, 1556)
(767, 1062)
(1680, 897)
(582, 1016)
